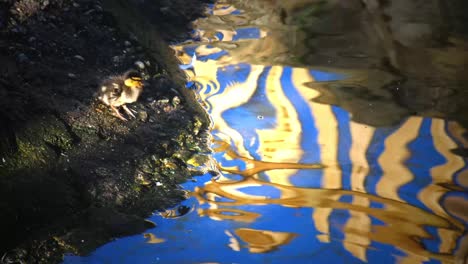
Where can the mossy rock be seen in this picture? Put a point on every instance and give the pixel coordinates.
(40, 142)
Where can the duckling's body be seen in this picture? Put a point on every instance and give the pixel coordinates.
(120, 90)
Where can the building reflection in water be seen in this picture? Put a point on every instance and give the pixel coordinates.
(368, 187)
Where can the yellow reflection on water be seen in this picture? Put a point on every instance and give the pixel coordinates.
(261, 241)
(152, 239)
(256, 166)
(229, 214)
(395, 172)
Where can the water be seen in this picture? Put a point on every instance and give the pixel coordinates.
(309, 172)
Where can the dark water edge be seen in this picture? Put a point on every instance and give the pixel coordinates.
(72, 176)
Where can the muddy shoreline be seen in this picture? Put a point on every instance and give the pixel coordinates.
(72, 176)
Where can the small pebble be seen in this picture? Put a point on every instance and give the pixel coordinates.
(140, 65)
(19, 29)
(143, 116)
(176, 100)
(90, 12)
(133, 37)
(72, 75)
(127, 43)
(22, 58)
(78, 57)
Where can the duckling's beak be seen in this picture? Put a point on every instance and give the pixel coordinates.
(134, 82)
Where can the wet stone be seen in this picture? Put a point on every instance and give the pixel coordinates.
(140, 65)
(116, 59)
(143, 116)
(78, 57)
(163, 101)
(22, 58)
(176, 101)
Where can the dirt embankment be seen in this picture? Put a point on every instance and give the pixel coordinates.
(72, 176)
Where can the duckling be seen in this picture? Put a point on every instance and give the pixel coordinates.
(120, 90)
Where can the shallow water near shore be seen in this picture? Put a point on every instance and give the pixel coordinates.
(314, 164)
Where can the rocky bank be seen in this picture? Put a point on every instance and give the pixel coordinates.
(72, 176)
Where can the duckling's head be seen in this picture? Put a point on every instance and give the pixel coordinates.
(133, 80)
